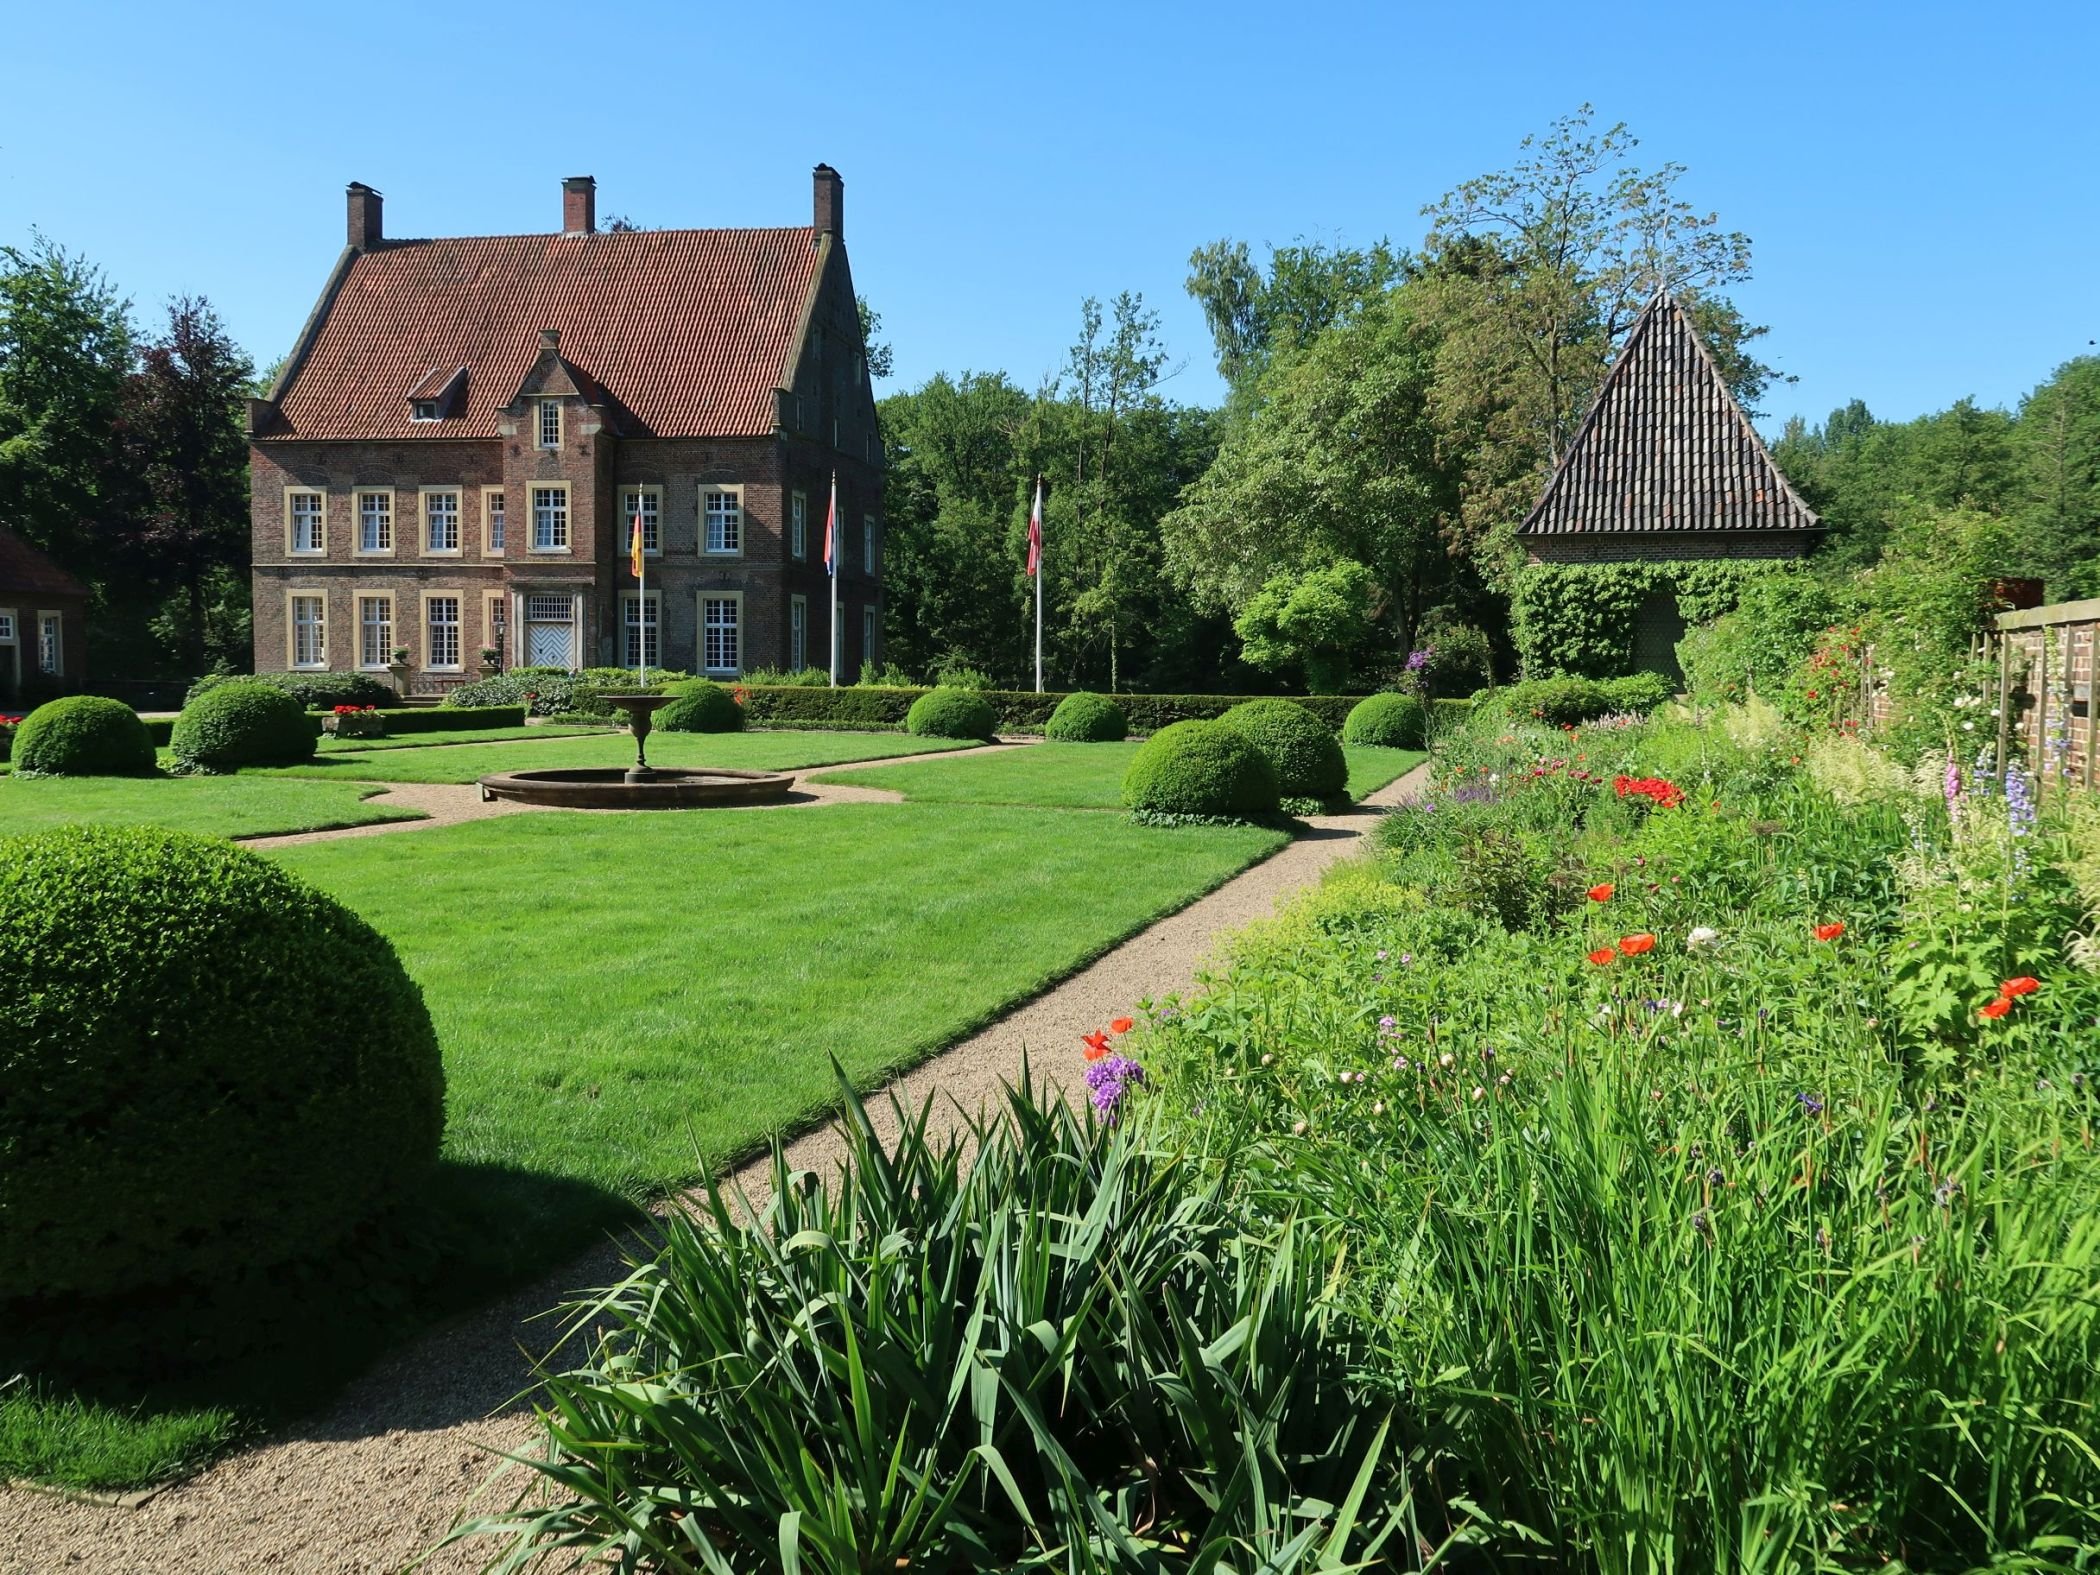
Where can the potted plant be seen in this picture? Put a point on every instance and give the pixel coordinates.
(355, 721)
(489, 668)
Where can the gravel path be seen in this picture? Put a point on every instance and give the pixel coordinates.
(377, 1478)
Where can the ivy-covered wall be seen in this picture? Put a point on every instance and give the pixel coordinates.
(1578, 617)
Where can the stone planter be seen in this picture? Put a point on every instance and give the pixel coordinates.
(400, 671)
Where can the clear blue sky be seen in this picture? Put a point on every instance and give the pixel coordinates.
(1922, 181)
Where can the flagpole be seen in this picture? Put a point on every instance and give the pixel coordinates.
(1039, 585)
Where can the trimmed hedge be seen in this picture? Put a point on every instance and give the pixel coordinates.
(189, 1110)
(450, 719)
(1303, 749)
(1015, 710)
(1569, 702)
(237, 725)
(313, 691)
(701, 707)
(83, 736)
(951, 713)
(1087, 718)
(1389, 721)
(1200, 768)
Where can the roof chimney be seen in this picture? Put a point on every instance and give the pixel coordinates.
(579, 205)
(550, 338)
(365, 232)
(830, 207)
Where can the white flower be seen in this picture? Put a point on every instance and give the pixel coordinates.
(1444, 1059)
(1702, 936)
(1479, 1092)
(1968, 727)
(1378, 1109)
(1297, 1129)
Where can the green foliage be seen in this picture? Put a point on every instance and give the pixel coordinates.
(83, 736)
(231, 1069)
(1016, 710)
(1393, 721)
(951, 713)
(243, 724)
(774, 677)
(702, 706)
(1578, 618)
(555, 692)
(314, 691)
(1567, 702)
(1306, 755)
(1086, 718)
(1318, 622)
(1200, 768)
(1771, 631)
(954, 673)
(449, 718)
(1309, 289)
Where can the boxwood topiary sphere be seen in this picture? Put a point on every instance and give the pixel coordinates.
(1390, 721)
(1086, 718)
(1306, 754)
(1200, 768)
(207, 1067)
(243, 724)
(701, 707)
(83, 736)
(950, 713)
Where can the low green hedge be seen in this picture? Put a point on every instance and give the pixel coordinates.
(161, 729)
(702, 706)
(83, 736)
(313, 691)
(1303, 750)
(1394, 721)
(951, 713)
(451, 719)
(1569, 702)
(235, 725)
(1086, 718)
(1014, 710)
(1201, 769)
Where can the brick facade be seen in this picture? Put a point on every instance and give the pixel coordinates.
(43, 626)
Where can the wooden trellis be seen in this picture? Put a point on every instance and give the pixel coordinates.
(2046, 661)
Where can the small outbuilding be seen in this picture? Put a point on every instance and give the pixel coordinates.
(43, 624)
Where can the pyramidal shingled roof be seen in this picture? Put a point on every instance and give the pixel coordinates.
(1666, 448)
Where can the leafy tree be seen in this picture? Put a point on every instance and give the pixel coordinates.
(1308, 289)
(1322, 622)
(881, 358)
(2056, 452)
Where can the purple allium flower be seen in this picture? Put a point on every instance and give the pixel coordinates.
(1109, 1079)
(1809, 1103)
(1381, 954)
(1417, 660)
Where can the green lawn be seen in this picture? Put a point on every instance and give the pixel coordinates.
(331, 745)
(635, 1000)
(736, 751)
(1070, 776)
(241, 806)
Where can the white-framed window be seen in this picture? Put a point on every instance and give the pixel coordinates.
(867, 542)
(7, 628)
(441, 632)
(375, 631)
(642, 631)
(441, 523)
(305, 515)
(722, 633)
(868, 621)
(550, 423)
(649, 503)
(722, 514)
(50, 644)
(309, 631)
(550, 519)
(492, 522)
(798, 633)
(375, 522)
(423, 410)
(798, 524)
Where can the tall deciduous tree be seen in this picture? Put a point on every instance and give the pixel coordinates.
(1255, 317)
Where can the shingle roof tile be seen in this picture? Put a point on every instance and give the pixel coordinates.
(23, 568)
(1666, 448)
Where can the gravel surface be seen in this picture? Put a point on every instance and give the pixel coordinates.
(379, 1476)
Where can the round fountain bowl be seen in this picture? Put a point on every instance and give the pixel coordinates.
(614, 787)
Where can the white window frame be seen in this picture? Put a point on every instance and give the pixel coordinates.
(540, 423)
(292, 599)
(652, 634)
(652, 520)
(798, 633)
(386, 496)
(7, 628)
(459, 632)
(51, 642)
(426, 498)
(568, 530)
(388, 644)
(730, 598)
(495, 505)
(10, 643)
(733, 519)
(798, 524)
(423, 410)
(867, 543)
(292, 497)
(870, 628)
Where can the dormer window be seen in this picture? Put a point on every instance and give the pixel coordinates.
(437, 396)
(550, 423)
(423, 410)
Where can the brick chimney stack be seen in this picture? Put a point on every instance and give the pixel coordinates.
(365, 229)
(579, 205)
(830, 206)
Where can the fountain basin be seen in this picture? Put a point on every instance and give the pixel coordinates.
(617, 787)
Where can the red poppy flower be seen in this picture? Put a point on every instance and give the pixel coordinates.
(1635, 945)
(1601, 892)
(1829, 932)
(1096, 1044)
(1120, 1025)
(1994, 1009)
(2024, 985)
(1603, 956)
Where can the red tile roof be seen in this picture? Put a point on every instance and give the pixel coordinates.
(1666, 448)
(688, 331)
(23, 568)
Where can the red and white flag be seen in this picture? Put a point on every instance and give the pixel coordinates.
(1035, 531)
(831, 522)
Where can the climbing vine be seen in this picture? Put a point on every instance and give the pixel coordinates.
(1578, 617)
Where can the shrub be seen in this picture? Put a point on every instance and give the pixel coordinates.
(201, 1110)
(451, 719)
(553, 691)
(950, 713)
(83, 736)
(954, 673)
(701, 707)
(239, 725)
(1639, 693)
(1200, 768)
(796, 678)
(313, 691)
(1085, 718)
(1303, 749)
(1569, 702)
(1388, 721)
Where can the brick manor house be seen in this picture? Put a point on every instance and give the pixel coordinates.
(452, 454)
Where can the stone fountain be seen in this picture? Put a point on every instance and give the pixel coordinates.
(641, 785)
